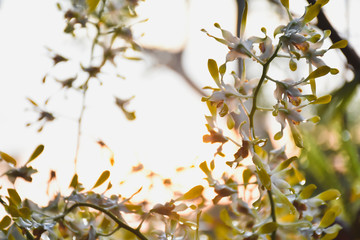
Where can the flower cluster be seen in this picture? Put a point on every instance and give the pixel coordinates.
(284, 206)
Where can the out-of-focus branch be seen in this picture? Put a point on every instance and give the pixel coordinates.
(173, 60)
(240, 10)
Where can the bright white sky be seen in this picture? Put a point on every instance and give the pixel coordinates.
(170, 124)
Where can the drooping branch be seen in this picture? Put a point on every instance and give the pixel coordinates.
(173, 60)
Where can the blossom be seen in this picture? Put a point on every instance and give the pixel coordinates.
(238, 48)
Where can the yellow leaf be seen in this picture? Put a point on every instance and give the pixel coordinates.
(340, 44)
(214, 71)
(92, 4)
(103, 177)
(192, 193)
(322, 100)
(36, 153)
(7, 158)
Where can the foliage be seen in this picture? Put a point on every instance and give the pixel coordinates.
(285, 207)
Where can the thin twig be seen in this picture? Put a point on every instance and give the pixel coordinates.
(121, 224)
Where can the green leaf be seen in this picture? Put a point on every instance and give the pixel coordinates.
(25, 213)
(214, 71)
(225, 217)
(331, 232)
(222, 69)
(5, 222)
(247, 173)
(103, 177)
(264, 178)
(334, 71)
(311, 12)
(224, 110)
(314, 119)
(192, 193)
(340, 44)
(203, 166)
(36, 153)
(285, 164)
(296, 136)
(329, 195)
(285, 3)
(292, 65)
(7, 158)
(322, 100)
(313, 86)
(92, 4)
(307, 191)
(230, 122)
(267, 228)
(329, 217)
(278, 135)
(243, 19)
(319, 72)
(74, 181)
(14, 197)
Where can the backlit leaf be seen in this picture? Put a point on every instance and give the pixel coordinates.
(292, 65)
(103, 177)
(36, 153)
(314, 119)
(264, 178)
(230, 122)
(307, 191)
(285, 3)
(319, 72)
(285, 164)
(225, 217)
(74, 181)
(328, 195)
(313, 86)
(92, 4)
(328, 218)
(322, 100)
(267, 228)
(311, 12)
(214, 71)
(192, 193)
(278, 135)
(14, 197)
(5, 222)
(296, 136)
(340, 44)
(247, 173)
(7, 158)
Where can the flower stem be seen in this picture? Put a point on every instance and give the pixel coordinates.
(273, 216)
(257, 90)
